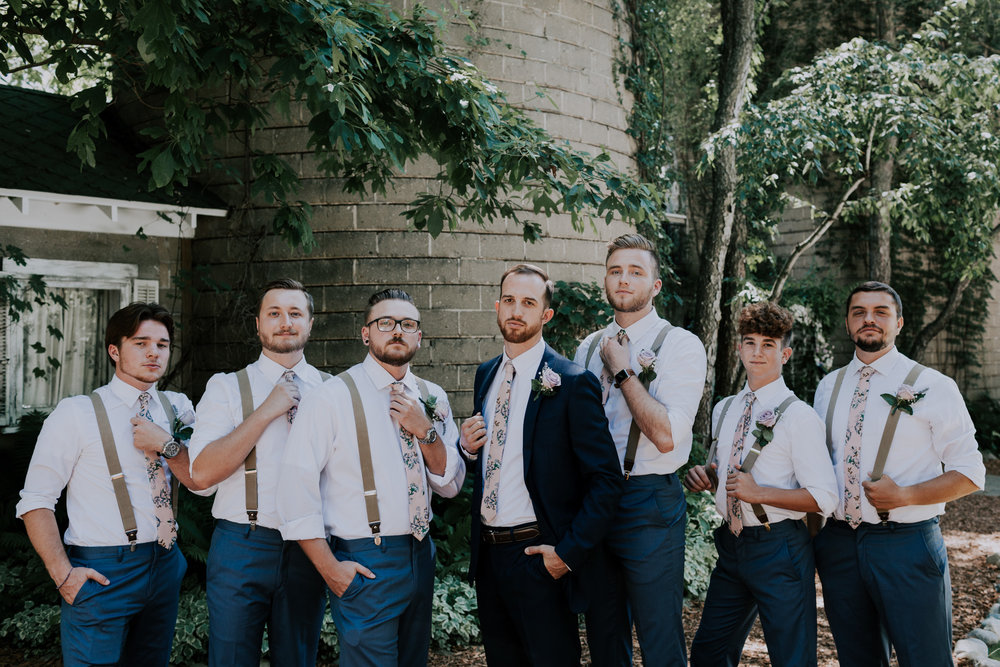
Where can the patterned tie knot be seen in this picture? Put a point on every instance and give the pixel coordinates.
(622, 336)
(288, 375)
(750, 398)
(866, 371)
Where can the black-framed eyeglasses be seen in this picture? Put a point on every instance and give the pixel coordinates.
(387, 324)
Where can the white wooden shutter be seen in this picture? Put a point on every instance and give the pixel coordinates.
(146, 291)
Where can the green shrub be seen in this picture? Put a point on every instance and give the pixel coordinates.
(699, 546)
(985, 413)
(191, 634)
(35, 629)
(580, 309)
(454, 618)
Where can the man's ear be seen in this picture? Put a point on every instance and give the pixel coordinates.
(547, 315)
(113, 353)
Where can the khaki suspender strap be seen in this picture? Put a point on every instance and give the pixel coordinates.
(633, 432)
(751, 459)
(250, 462)
(888, 433)
(833, 404)
(715, 441)
(115, 469)
(175, 484)
(594, 344)
(365, 456)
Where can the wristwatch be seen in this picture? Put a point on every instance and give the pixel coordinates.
(430, 437)
(170, 448)
(623, 375)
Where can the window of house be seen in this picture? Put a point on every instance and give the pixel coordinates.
(73, 336)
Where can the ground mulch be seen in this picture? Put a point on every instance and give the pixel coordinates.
(971, 533)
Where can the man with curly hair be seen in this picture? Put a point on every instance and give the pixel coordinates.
(776, 470)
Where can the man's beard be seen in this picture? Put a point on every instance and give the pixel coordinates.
(871, 345)
(278, 345)
(630, 303)
(394, 357)
(526, 332)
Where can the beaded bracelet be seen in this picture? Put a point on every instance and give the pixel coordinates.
(66, 579)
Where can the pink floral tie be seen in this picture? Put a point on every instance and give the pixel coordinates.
(417, 505)
(735, 513)
(289, 376)
(166, 527)
(498, 436)
(852, 449)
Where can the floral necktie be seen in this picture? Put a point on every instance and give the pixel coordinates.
(419, 509)
(289, 376)
(166, 527)
(735, 513)
(498, 436)
(852, 449)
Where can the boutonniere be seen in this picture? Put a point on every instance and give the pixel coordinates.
(546, 383)
(647, 366)
(182, 428)
(434, 412)
(905, 397)
(765, 428)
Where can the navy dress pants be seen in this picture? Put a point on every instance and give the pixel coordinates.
(385, 621)
(524, 613)
(767, 572)
(886, 584)
(645, 580)
(256, 579)
(131, 620)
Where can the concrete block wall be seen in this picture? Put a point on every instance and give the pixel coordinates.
(364, 244)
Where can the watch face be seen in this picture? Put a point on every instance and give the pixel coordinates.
(171, 449)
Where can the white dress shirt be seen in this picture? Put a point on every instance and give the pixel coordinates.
(513, 501)
(320, 491)
(69, 454)
(938, 433)
(796, 458)
(220, 411)
(680, 368)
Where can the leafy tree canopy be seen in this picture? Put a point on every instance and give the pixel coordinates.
(377, 90)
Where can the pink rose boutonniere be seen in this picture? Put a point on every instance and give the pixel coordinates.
(764, 433)
(904, 399)
(647, 366)
(546, 383)
(434, 412)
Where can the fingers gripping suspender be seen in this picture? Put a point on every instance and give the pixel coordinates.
(751, 459)
(888, 433)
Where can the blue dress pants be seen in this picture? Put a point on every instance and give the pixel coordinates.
(645, 582)
(131, 620)
(257, 579)
(886, 584)
(770, 572)
(385, 621)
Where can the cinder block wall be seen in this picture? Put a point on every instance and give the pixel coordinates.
(564, 49)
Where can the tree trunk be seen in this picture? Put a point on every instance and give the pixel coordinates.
(738, 35)
(729, 371)
(880, 232)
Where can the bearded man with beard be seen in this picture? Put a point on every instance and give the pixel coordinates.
(881, 558)
(652, 374)
(546, 489)
(255, 579)
(365, 452)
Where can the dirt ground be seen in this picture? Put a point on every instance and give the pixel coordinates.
(971, 534)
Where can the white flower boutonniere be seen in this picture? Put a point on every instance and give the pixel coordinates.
(182, 428)
(764, 433)
(434, 412)
(647, 366)
(546, 384)
(904, 399)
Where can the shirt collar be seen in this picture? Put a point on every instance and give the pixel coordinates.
(767, 396)
(128, 394)
(881, 365)
(381, 378)
(272, 370)
(638, 329)
(526, 363)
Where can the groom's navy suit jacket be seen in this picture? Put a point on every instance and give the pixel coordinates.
(571, 469)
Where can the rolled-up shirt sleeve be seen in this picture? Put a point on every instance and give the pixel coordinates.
(448, 484)
(52, 461)
(953, 435)
(811, 459)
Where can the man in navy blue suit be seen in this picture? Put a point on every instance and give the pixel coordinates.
(547, 486)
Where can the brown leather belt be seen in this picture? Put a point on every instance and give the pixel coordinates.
(528, 531)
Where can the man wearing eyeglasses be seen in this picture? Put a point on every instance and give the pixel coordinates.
(365, 453)
(254, 577)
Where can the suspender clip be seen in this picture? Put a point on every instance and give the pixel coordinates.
(131, 535)
(376, 527)
(627, 475)
(767, 526)
(252, 515)
(884, 517)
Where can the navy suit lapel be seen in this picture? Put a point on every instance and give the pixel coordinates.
(490, 371)
(531, 415)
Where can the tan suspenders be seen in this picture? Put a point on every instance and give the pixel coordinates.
(633, 433)
(751, 457)
(115, 466)
(250, 462)
(365, 453)
(888, 433)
